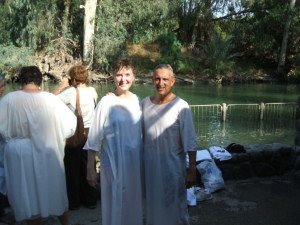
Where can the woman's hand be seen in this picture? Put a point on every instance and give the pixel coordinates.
(64, 83)
(91, 172)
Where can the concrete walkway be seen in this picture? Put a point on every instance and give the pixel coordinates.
(269, 201)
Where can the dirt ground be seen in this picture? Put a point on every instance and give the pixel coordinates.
(271, 201)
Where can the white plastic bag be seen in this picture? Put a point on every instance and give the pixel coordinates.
(211, 176)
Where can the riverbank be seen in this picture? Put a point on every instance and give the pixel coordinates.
(54, 65)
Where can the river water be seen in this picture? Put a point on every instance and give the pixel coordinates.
(244, 131)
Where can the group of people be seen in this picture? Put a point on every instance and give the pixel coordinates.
(142, 145)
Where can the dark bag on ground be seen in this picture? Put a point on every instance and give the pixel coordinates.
(79, 138)
(235, 148)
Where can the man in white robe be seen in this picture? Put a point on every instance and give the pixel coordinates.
(169, 135)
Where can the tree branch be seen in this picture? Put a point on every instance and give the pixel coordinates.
(235, 14)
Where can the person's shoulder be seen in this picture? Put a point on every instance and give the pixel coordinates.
(181, 101)
(146, 99)
(107, 99)
(49, 96)
(180, 104)
(91, 89)
(68, 91)
(9, 95)
(87, 89)
(137, 97)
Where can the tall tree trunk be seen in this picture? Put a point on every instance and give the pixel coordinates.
(65, 22)
(89, 24)
(195, 30)
(282, 56)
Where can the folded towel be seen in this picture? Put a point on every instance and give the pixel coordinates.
(219, 153)
(203, 155)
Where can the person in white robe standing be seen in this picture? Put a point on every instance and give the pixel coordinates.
(116, 132)
(35, 125)
(169, 135)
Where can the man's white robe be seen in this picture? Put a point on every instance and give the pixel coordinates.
(168, 134)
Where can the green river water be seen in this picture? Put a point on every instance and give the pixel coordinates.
(213, 132)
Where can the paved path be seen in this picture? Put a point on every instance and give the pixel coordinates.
(273, 201)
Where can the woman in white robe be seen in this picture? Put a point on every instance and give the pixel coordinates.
(35, 125)
(116, 133)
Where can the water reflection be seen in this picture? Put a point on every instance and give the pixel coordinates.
(244, 127)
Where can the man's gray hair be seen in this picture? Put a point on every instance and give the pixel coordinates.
(2, 76)
(165, 66)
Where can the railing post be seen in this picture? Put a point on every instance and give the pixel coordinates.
(224, 112)
(262, 110)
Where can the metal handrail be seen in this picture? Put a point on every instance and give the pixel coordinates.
(261, 107)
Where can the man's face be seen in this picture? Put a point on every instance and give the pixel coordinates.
(124, 78)
(163, 81)
(2, 88)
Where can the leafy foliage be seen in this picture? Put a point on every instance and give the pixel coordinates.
(218, 56)
(13, 58)
(121, 22)
(256, 27)
(170, 49)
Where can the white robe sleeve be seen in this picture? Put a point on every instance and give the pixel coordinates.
(187, 130)
(96, 132)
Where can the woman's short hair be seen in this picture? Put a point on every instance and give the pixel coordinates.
(118, 65)
(30, 74)
(79, 73)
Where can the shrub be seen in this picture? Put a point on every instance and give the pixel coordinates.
(217, 55)
(170, 50)
(13, 58)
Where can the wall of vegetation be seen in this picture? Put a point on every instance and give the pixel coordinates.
(219, 36)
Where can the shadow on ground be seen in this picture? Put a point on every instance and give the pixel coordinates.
(272, 201)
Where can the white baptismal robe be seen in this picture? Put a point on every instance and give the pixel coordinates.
(116, 132)
(35, 126)
(168, 134)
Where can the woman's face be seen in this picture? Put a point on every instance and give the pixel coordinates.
(2, 87)
(124, 79)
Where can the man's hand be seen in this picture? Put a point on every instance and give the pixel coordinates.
(91, 177)
(192, 171)
(191, 177)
